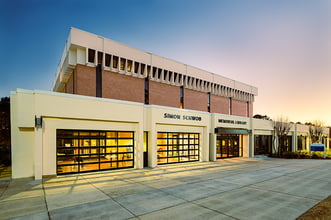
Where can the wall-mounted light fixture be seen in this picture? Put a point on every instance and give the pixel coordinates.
(38, 122)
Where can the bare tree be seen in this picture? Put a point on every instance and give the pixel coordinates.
(281, 128)
(316, 131)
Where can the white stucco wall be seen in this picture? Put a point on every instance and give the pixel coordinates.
(34, 149)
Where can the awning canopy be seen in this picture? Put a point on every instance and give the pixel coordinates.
(231, 131)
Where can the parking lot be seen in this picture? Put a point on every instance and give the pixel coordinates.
(237, 188)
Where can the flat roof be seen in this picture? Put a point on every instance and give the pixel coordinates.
(80, 38)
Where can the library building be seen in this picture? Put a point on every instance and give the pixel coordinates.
(116, 107)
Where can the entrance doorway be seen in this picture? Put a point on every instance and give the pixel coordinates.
(227, 146)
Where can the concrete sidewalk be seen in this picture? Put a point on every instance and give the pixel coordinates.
(238, 188)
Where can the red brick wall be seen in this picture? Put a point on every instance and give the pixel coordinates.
(195, 100)
(219, 104)
(69, 88)
(85, 80)
(122, 87)
(250, 106)
(239, 108)
(164, 94)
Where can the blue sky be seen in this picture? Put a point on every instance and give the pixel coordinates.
(280, 46)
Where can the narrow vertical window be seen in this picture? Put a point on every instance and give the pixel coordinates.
(247, 106)
(159, 71)
(129, 67)
(142, 69)
(136, 67)
(165, 75)
(230, 106)
(154, 72)
(146, 90)
(99, 80)
(91, 55)
(107, 60)
(148, 70)
(122, 64)
(100, 56)
(181, 91)
(115, 62)
(208, 101)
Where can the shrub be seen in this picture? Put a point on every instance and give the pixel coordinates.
(315, 156)
(290, 155)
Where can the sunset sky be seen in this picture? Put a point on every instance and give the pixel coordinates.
(283, 47)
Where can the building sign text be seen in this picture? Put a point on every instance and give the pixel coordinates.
(184, 117)
(232, 122)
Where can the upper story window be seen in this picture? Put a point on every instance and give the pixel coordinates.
(129, 67)
(142, 68)
(181, 94)
(136, 67)
(208, 101)
(159, 72)
(154, 72)
(91, 56)
(100, 56)
(148, 70)
(107, 60)
(115, 62)
(122, 64)
(165, 75)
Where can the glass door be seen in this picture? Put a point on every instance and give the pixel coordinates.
(227, 146)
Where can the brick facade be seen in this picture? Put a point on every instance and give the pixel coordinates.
(219, 104)
(250, 110)
(164, 94)
(69, 88)
(128, 88)
(85, 80)
(195, 100)
(239, 108)
(122, 87)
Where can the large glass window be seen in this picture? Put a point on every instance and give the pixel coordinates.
(83, 151)
(302, 143)
(177, 147)
(228, 146)
(263, 144)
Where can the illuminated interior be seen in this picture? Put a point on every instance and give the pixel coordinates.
(177, 147)
(82, 151)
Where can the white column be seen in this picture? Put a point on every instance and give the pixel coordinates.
(140, 147)
(212, 146)
(249, 140)
(205, 144)
(38, 153)
(152, 147)
(86, 56)
(295, 138)
(294, 141)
